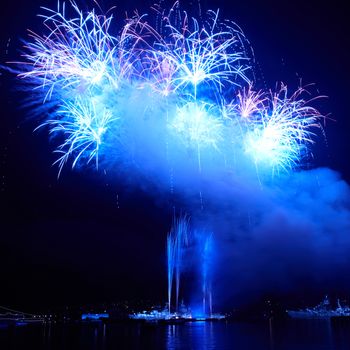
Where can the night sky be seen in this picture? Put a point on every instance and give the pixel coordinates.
(87, 237)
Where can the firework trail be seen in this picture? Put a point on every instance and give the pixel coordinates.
(185, 84)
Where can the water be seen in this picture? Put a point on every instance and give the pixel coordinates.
(286, 335)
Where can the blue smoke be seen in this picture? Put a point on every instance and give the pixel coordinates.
(185, 136)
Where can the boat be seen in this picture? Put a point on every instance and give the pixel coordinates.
(321, 311)
(183, 315)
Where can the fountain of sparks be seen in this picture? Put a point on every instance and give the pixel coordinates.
(182, 242)
(206, 276)
(177, 242)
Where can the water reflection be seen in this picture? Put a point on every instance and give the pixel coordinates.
(272, 343)
(269, 335)
(197, 335)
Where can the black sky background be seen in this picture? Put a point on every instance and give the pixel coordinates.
(85, 239)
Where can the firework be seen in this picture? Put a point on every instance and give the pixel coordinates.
(281, 131)
(82, 127)
(182, 73)
(193, 55)
(77, 53)
(248, 104)
(198, 125)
